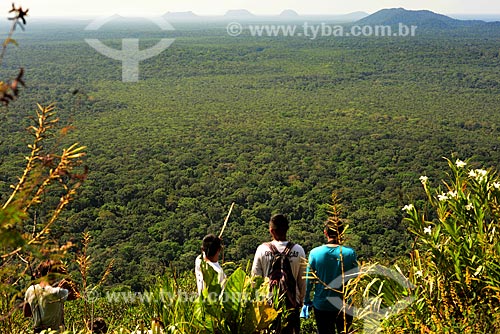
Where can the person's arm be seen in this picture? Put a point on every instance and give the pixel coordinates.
(257, 269)
(354, 259)
(222, 277)
(198, 274)
(26, 306)
(301, 281)
(27, 310)
(71, 287)
(62, 293)
(309, 279)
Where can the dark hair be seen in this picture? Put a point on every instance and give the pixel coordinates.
(334, 230)
(279, 223)
(211, 244)
(49, 267)
(99, 326)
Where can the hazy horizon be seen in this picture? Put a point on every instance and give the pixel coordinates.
(460, 16)
(93, 8)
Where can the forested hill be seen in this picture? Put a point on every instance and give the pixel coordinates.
(424, 19)
(272, 124)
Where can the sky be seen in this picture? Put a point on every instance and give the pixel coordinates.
(95, 8)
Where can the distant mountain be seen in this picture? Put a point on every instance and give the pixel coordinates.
(289, 13)
(244, 14)
(239, 13)
(420, 18)
(181, 16)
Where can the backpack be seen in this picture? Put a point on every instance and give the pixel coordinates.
(281, 275)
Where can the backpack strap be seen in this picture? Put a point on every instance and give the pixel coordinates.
(288, 248)
(275, 250)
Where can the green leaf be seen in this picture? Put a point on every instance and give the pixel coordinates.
(234, 292)
(211, 279)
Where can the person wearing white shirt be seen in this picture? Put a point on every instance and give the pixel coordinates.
(278, 227)
(44, 301)
(211, 249)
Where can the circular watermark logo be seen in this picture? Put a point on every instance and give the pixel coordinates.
(371, 310)
(234, 29)
(91, 295)
(130, 55)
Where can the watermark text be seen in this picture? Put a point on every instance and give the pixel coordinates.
(320, 30)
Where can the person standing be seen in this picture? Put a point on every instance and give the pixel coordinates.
(211, 248)
(44, 302)
(264, 261)
(329, 264)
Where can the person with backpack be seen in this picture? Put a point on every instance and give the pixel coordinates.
(281, 261)
(333, 265)
(44, 302)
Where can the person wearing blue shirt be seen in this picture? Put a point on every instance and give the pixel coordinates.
(332, 264)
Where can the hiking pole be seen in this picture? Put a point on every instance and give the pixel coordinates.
(226, 220)
(224, 227)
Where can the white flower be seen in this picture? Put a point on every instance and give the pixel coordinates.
(424, 179)
(460, 163)
(496, 185)
(469, 207)
(428, 230)
(419, 273)
(452, 194)
(407, 207)
(442, 197)
(478, 174)
(481, 172)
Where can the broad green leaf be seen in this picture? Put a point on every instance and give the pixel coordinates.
(233, 292)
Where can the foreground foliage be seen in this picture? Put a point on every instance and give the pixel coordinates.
(240, 306)
(453, 283)
(35, 202)
(24, 223)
